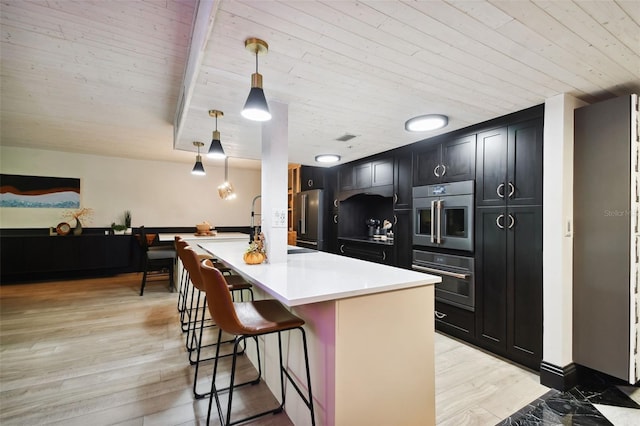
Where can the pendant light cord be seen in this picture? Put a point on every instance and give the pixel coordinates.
(226, 169)
(256, 61)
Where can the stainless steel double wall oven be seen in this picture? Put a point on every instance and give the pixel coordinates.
(443, 238)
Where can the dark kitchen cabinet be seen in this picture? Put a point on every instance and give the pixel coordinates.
(331, 220)
(362, 175)
(454, 321)
(449, 161)
(373, 252)
(402, 185)
(346, 177)
(365, 176)
(332, 230)
(509, 282)
(382, 172)
(402, 238)
(312, 177)
(509, 165)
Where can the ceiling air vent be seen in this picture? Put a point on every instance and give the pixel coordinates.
(345, 137)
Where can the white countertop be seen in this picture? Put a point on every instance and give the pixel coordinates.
(218, 237)
(316, 276)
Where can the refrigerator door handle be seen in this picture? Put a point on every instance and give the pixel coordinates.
(303, 214)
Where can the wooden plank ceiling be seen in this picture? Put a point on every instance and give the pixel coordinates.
(105, 76)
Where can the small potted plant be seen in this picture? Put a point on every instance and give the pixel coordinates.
(118, 229)
(256, 252)
(127, 221)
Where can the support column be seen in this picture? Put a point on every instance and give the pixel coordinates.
(275, 158)
(557, 369)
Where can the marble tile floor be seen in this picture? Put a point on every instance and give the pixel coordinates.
(599, 401)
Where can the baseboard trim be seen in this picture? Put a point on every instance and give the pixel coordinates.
(560, 378)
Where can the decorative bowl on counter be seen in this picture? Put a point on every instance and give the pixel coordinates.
(203, 228)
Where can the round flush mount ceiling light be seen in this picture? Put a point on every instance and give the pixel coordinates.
(327, 158)
(427, 122)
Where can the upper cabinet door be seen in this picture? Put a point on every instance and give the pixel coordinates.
(382, 172)
(426, 165)
(509, 165)
(311, 177)
(402, 188)
(346, 178)
(362, 175)
(458, 159)
(524, 177)
(450, 161)
(491, 167)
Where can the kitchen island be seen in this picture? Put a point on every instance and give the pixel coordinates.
(370, 335)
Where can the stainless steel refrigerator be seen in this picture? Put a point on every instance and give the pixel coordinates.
(606, 242)
(309, 210)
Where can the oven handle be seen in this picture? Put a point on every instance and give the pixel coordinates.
(439, 238)
(433, 220)
(439, 271)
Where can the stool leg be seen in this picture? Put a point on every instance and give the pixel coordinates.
(308, 400)
(185, 295)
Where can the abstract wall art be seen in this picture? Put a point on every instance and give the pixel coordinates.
(39, 192)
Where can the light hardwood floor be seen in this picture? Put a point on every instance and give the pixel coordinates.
(92, 352)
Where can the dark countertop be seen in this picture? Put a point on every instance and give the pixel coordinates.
(369, 240)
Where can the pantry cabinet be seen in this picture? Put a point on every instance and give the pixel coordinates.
(508, 247)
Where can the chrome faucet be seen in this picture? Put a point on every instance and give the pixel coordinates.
(254, 230)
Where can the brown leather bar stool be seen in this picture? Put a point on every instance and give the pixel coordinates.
(195, 338)
(249, 319)
(186, 292)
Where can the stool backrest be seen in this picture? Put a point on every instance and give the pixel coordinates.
(219, 300)
(190, 261)
(180, 246)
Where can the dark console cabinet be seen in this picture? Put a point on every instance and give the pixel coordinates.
(38, 257)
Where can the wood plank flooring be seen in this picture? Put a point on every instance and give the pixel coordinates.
(94, 352)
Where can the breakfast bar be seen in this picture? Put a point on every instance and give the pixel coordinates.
(370, 330)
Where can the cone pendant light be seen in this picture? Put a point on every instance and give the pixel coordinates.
(256, 108)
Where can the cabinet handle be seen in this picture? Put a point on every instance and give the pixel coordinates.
(435, 171)
(335, 218)
(512, 189)
(384, 255)
(501, 186)
(335, 202)
(395, 219)
(395, 198)
(342, 248)
(512, 221)
(439, 315)
(310, 183)
(498, 221)
(444, 170)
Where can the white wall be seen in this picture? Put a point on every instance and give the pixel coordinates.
(558, 222)
(158, 194)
